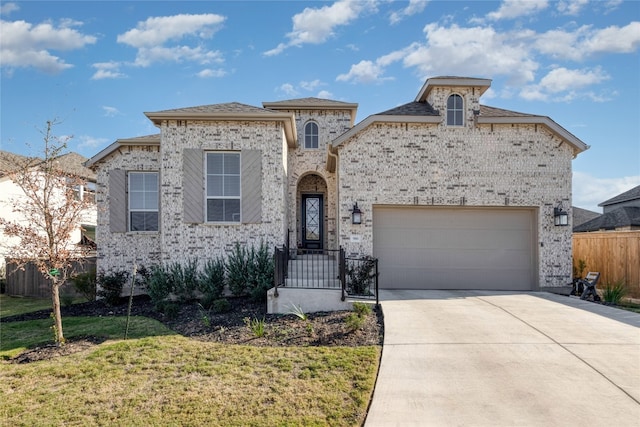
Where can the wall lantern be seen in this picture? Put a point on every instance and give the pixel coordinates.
(560, 216)
(356, 214)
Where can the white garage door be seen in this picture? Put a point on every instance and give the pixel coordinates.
(455, 248)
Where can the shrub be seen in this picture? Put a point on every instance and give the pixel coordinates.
(221, 305)
(256, 326)
(211, 280)
(614, 293)
(237, 267)
(158, 286)
(261, 268)
(354, 321)
(110, 286)
(361, 309)
(359, 275)
(184, 279)
(85, 284)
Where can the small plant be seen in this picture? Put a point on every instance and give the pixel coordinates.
(159, 286)
(362, 309)
(296, 310)
(66, 299)
(612, 294)
(359, 275)
(261, 268)
(85, 284)
(257, 327)
(111, 285)
(221, 305)
(357, 319)
(184, 279)
(579, 268)
(204, 316)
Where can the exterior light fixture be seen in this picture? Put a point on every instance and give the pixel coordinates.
(356, 214)
(560, 216)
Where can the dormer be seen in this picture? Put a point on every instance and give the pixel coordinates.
(456, 98)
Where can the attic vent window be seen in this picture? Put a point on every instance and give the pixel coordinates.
(454, 110)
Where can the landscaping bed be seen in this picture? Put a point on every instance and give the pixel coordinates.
(231, 327)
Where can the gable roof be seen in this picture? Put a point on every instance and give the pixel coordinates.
(9, 162)
(312, 103)
(452, 81)
(632, 194)
(622, 217)
(580, 216)
(229, 111)
(125, 142)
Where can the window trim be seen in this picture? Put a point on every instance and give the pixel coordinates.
(317, 135)
(206, 188)
(455, 110)
(130, 211)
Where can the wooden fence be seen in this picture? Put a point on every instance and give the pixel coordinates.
(615, 254)
(29, 282)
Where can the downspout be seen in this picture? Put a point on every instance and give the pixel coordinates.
(333, 153)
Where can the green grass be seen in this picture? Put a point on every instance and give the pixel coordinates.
(11, 306)
(630, 306)
(160, 378)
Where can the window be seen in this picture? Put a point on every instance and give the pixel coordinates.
(223, 187)
(143, 201)
(454, 111)
(311, 135)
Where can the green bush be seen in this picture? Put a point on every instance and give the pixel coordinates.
(211, 281)
(85, 284)
(237, 267)
(110, 286)
(159, 286)
(354, 321)
(614, 293)
(261, 268)
(360, 274)
(221, 305)
(361, 309)
(184, 279)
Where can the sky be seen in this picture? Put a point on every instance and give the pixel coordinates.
(94, 67)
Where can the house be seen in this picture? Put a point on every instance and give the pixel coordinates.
(580, 216)
(11, 194)
(620, 213)
(449, 193)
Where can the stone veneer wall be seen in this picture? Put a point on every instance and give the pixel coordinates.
(331, 124)
(488, 165)
(178, 241)
(118, 251)
(182, 241)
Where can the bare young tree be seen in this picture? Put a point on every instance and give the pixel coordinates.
(47, 214)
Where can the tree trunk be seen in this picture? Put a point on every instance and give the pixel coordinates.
(57, 316)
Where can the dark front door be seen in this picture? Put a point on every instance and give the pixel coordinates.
(312, 221)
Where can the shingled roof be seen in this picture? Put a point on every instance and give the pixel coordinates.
(632, 194)
(70, 163)
(412, 109)
(627, 216)
(229, 107)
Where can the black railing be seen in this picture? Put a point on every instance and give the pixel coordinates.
(361, 277)
(314, 268)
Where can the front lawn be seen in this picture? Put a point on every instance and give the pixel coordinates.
(158, 377)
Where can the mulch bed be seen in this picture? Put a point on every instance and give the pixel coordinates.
(319, 329)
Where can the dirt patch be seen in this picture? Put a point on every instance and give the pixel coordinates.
(319, 329)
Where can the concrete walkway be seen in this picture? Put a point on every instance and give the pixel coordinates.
(473, 358)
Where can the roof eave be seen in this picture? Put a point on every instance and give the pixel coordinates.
(575, 142)
(141, 141)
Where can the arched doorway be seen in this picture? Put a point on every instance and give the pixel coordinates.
(312, 211)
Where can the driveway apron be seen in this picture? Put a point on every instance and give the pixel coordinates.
(481, 358)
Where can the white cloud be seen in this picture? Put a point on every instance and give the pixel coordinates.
(325, 94)
(563, 80)
(571, 7)
(209, 73)
(23, 44)
(414, 7)
(589, 191)
(510, 9)
(363, 72)
(310, 86)
(107, 70)
(317, 25)
(110, 111)
(86, 141)
(615, 39)
(8, 8)
(288, 89)
(151, 36)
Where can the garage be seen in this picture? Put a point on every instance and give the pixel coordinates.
(455, 248)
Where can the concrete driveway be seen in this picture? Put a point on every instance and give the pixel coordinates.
(474, 358)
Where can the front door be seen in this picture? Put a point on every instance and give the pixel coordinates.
(312, 221)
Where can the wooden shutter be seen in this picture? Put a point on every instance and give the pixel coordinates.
(251, 176)
(193, 186)
(117, 201)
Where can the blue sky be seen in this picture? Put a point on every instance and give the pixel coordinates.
(97, 66)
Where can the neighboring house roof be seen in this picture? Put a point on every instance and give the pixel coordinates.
(623, 217)
(580, 216)
(138, 140)
(71, 163)
(313, 104)
(632, 194)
